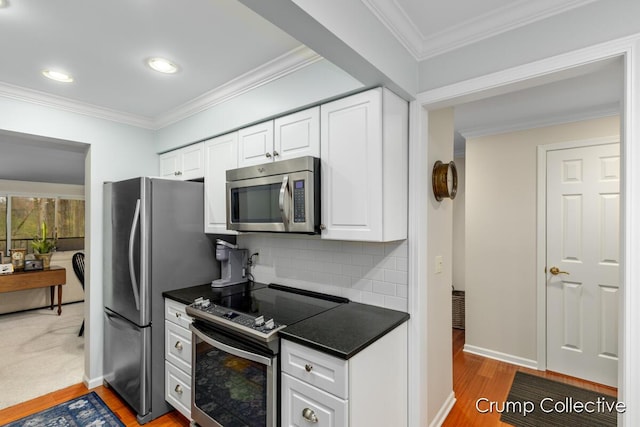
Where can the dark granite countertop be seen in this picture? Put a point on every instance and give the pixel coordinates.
(343, 331)
(346, 330)
(188, 295)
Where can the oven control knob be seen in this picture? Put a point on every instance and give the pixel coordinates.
(269, 324)
(258, 321)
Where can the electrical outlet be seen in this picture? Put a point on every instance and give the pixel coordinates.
(439, 264)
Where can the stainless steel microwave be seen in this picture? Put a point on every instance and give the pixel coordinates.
(282, 196)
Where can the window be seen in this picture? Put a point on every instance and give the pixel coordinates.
(21, 218)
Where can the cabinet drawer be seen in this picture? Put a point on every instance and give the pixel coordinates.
(178, 389)
(321, 408)
(316, 368)
(177, 342)
(175, 312)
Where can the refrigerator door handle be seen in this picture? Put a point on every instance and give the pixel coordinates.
(132, 272)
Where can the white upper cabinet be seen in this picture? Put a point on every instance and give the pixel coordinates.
(294, 135)
(255, 144)
(364, 164)
(184, 163)
(221, 154)
(297, 135)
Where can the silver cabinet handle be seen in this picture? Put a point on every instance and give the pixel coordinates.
(267, 155)
(178, 314)
(177, 173)
(275, 153)
(178, 389)
(308, 367)
(309, 415)
(178, 345)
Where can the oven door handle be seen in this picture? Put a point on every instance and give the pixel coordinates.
(231, 350)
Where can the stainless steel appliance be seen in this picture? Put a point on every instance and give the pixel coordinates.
(235, 351)
(233, 262)
(153, 242)
(282, 196)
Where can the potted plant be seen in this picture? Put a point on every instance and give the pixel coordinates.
(43, 246)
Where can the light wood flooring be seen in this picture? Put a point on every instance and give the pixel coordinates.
(473, 377)
(476, 377)
(122, 411)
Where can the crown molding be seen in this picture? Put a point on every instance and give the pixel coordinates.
(607, 110)
(279, 67)
(514, 15)
(65, 104)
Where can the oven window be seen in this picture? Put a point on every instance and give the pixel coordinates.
(230, 389)
(256, 204)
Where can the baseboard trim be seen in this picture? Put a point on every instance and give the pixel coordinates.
(92, 382)
(503, 357)
(444, 411)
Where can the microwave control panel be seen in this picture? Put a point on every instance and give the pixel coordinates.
(298, 201)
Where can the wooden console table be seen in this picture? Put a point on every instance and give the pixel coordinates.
(50, 277)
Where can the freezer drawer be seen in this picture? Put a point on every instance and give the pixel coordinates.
(127, 361)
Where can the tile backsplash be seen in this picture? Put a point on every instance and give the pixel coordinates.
(370, 273)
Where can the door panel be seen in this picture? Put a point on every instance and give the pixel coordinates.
(127, 361)
(121, 295)
(583, 242)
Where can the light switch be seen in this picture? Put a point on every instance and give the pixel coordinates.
(439, 263)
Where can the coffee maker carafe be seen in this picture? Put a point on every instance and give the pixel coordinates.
(232, 264)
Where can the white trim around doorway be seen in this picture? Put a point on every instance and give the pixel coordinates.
(512, 79)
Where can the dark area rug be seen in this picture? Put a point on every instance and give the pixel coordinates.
(83, 411)
(536, 401)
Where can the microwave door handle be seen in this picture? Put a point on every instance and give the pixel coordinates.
(229, 349)
(283, 211)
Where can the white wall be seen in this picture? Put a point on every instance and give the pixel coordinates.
(371, 273)
(439, 226)
(116, 152)
(501, 234)
(458, 227)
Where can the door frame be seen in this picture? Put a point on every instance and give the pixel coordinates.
(627, 48)
(541, 235)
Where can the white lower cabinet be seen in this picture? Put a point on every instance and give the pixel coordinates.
(303, 404)
(177, 357)
(368, 390)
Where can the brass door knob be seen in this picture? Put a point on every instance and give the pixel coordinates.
(555, 271)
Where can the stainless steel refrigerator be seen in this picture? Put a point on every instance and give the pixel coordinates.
(154, 241)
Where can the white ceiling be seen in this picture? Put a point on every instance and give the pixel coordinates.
(218, 44)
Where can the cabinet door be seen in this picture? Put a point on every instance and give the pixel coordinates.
(169, 164)
(221, 154)
(351, 161)
(255, 144)
(303, 404)
(192, 166)
(297, 135)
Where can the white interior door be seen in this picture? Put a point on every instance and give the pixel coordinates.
(583, 261)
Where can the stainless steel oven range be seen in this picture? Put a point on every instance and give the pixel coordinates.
(235, 351)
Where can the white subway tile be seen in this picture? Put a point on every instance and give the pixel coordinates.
(374, 273)
(388, 263)
(373, 248)
(342, 281)
(352, 270)
(352, 294)
(395, 303)
(362, 284)
(342, 257)
(401, 264)
(401, 291)
(395, 276)
(352, 247)
(373, 299)
(362, 259)
(384, 288)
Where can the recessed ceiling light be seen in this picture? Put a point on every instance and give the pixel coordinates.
(162, 65)
(3, 3)
(59, 76)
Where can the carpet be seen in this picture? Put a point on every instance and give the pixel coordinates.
(41, 352)
(84, 411)
(537, 401)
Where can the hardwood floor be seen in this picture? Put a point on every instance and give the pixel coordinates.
(122, 411)
(476, 377)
